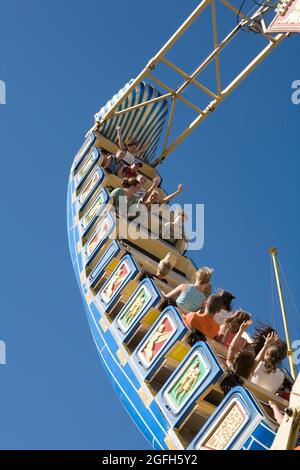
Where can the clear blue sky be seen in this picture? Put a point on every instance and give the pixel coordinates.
(61, 60)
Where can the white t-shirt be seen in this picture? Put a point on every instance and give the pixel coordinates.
(140, 193)
(271, 382)
(129, 158)
(221, 316)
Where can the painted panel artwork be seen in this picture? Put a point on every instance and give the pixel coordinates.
(288, 22)
(107, 256)
(156, 342)
(94, 210)
(99, 235)
(116, 281)
(89, 187)
(135, 306)
(86, 166)
(84, 149)
(186, 382)
(227, 428)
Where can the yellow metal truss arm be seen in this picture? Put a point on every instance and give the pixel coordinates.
(255, 20)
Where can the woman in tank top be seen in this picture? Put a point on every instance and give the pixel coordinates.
(190, 297)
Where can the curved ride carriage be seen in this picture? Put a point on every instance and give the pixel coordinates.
(171, 390)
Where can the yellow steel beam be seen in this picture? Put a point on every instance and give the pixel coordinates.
(254, 63)
(273, 252)
(191, 78)
(152, 63)
(210, 58)
(245, 17)
(214, 104)
(216, 44)
(175, 93)
(213, 55)
(235, 10)
(187, 76)
(144, 103)
(288, 432)
(170, 122)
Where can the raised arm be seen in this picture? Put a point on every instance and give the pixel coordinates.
(120, 138)
(154, 185)
(272, 337)
(106, 161)
(175, 292)
(277, 413)
(121, 170)
(171, 196)
(233, 345)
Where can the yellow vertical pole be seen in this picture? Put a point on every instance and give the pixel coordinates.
(273, 252)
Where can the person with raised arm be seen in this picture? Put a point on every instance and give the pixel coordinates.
(190, 297)
(125, 195)
(131, 147)
(231, 327)
(151, 196)
(130, 171)
(266, 372)
(114, 163)
(239, 363)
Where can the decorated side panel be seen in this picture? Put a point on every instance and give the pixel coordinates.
(110, 253)
(191, 380)
(150, 354)
(87, 164)
(86, 147)
(237, 423)
(97, 206)
(89, 188)
(103, 230)
(125, 271)
(127, 321)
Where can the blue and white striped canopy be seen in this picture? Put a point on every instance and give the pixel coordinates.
(144, 123)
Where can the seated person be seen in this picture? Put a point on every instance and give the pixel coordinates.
(130, 171)
(127, 193)
(231, 327)
(141, 191)
(163, 269)
(113, 163)
(130, 146)
(285, 389)
(153, 195)
(266, 373)
(204, 322)
(226, 309)
(195, 337)
(279, 415)
(190, 297)
(239, 364)
(261, 332)
(176, 227)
